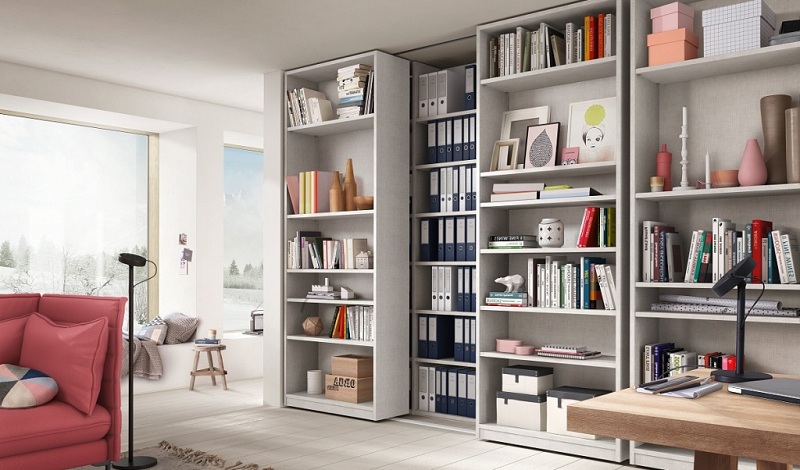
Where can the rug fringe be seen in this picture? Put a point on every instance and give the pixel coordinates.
(197, 457)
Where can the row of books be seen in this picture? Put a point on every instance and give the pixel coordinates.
(355, 90)
(510, 192)
(309, 191)
(450, 238)
(451, 139)
(445, 337)
(552, 282)
(660, 360)
(446, 91)
(502, 242)
(307, 106)
(356, 322)
(598, 227)
(310, 250)
(448, 390)
(453, 189)
(453, 288)
(524, 50)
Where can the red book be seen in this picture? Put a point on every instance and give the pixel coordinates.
(592, 37)
(600, 40)
(588, 235)
(761, 229)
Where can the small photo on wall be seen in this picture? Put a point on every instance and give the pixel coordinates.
(541, 145)
(592, 129)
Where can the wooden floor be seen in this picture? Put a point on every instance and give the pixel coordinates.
(234, 425)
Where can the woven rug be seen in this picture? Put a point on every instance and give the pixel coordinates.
(184, 458)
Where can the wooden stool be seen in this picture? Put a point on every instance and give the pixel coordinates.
(210, 370)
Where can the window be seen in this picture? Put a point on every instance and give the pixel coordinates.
(243, 251)
(74, 197)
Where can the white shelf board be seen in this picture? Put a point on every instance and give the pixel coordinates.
(336, 126)
(557, 311)
(722, 193)
(560, 202)
(709, 285)
(439, 421)
(718, 317)
(330, 271)
(433, 166)
(332, 215)
(425, 215)
(527, 174)
(444, 362)
(603, 448)
(325, 339)
(320, 403)
(549, 251)
(559, 75)
(444, 263)
(606, 362)
(426, 119)
(303, 300)
(445, 313)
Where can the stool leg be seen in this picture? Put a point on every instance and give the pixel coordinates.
(222, 370)
(211, 368)
(194, 369)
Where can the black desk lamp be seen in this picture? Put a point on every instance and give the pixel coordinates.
(737, 277)
(130, 462)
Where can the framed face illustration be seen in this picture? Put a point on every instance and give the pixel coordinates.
(592, 129)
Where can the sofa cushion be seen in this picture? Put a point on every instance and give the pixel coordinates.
(23, 387)
(73, 354)
(180, 328)
(11, 338)
(154, 330)
(55, 424)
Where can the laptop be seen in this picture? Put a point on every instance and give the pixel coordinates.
(786, 390)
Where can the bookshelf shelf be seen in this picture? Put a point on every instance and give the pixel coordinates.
(336, 126)
(549, 251)
(323, 339)
(444, 312)
(585, 169)
(708, 286)
(426, 119)
(332, 215)
(434, 166)
(427, 215)
(443, 362)
(303, 300)
(330, 271)
(561, 75)
(440, 421)
(443, 263)
(556, 311)
(561, 202)
(603, 362)
(717, 317)
(720, 193)
(319, 403)
(603, 448)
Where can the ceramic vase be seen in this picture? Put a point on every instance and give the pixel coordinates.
(336, 194)
(773, 126)
(350, 188)
(753, 169)
(793, 145)
(551, 233)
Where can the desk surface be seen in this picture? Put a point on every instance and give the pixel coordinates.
(721, 422)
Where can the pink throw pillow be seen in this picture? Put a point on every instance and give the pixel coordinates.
(11, 339)
(72, 354)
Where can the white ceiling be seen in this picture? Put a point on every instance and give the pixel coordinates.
(218, 51)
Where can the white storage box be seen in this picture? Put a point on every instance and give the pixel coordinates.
(740, 27)
(522, 411)
(558, 399)
(531, 380)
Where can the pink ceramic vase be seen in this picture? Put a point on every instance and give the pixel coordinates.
(753, 169)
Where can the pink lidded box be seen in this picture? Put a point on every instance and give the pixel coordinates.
(675, 15)
(525, 350)
(671, 46)
(508, 345)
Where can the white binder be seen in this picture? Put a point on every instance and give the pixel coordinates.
(433, 96)
(434, 292)
(422, 110)
(423, 388)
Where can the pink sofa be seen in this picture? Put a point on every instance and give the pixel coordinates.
(63, 433)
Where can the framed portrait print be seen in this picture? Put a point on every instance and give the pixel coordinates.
(541, 145)
(516, 122)
(504, 155)
(592, 129)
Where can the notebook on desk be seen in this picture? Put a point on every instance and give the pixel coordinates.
(787, 390)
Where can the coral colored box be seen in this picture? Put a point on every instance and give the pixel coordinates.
(507, 345)
(676, 15)
(671, 46)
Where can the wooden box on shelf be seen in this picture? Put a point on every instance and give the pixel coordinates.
(352, 365)
(349, 389)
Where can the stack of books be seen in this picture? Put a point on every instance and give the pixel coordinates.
(515, 191)
(207, 341)
(507, 299)
(512, 241)
(355, 90)
(566, 351)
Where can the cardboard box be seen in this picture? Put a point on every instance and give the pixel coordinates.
(558, 399)
(349, 389)
(522, 411)
(671, 46)
(351, 365)
(530, 380)
(739, 27)
(675, 15)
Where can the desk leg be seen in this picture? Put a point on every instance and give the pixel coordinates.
(764, 465)
(711, 461)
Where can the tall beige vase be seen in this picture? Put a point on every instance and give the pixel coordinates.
(773, 126)
(350, 188)
(336, 194)
(793, 145)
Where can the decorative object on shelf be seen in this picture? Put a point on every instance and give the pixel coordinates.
(364, 203)
(312, 326)
(314, 381)
(525, 350)
(551, 233)
(569, 156)
(336, 193)
(793, 145)
(738, 27)
(773, 126)
(364, 260)
(212, 333)
(541, 145)
(347, 293)
(684, 154)
(350, 187)
(512, 282)
(752, 169)
(592, 128)
(724, 178)
(656, 184)
(664, 166)
(324, 291)
(507, 345)
(516, 122)
(706, 184)
(504, 155)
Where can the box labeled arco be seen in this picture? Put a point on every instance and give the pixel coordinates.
(349, 389)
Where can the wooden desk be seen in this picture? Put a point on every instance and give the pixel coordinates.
(719, 427)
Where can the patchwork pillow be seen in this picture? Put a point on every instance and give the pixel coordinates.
(154, 330)
(72, 354)
(23, 387)
(180, 328)
(11, 339)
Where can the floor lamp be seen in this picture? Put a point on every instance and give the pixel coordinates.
(130, 462)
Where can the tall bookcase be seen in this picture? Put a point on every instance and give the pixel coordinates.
(722, 94)
(378, 145)
(603, 330)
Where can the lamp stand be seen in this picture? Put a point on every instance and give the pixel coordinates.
(130, 462)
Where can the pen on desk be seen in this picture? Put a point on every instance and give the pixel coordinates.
(685, 386)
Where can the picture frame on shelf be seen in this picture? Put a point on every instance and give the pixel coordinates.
(516, 122)
(541, 145)
(592, 129)
(504, 155)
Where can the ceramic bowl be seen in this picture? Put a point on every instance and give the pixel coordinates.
(724, 178)
(364, 203)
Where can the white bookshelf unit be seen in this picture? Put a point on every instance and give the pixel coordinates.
(722, 94)
(378, 145)
(602, 330)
